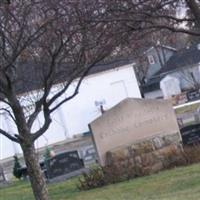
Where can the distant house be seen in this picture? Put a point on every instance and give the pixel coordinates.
(181, 70)
(105, 86)
(157, 57)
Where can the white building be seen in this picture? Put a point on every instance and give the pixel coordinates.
(107, 88)
(170, 86)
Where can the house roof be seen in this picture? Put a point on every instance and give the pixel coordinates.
(30, 76)
(184, 58)
(161, 46)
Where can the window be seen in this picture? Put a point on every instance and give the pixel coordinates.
(151, 59)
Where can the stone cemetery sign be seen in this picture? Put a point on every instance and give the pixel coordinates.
(130, 121)
(64, 163)
(191, 134)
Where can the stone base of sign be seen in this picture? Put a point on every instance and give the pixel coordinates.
(151, 155)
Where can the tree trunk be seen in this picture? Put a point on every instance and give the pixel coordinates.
(37, 179)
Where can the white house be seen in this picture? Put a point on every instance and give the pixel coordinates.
(181, 70)
(105, 87)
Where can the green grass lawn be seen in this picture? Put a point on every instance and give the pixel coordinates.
(177, 184)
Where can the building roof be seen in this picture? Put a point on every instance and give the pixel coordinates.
(30, 76)
(161, 46)
(184, 58)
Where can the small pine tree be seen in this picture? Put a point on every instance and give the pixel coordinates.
(16, 169)
(47, 154)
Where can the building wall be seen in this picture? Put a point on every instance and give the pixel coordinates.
(108, 87)
(170, 86)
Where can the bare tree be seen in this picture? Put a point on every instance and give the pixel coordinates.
(153, 15)
(189, 78)
(60, 42)
(43, 43)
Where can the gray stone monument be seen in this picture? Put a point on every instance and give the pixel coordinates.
(133, 120)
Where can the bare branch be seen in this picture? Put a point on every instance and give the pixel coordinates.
(9, 113)
(13, 138)
(47, 122)
(75, 91)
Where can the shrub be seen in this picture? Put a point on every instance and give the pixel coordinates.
(101, 176)
(191, 154)
(16, 169)
(95, 178)
(173, 158)
(115, 171)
